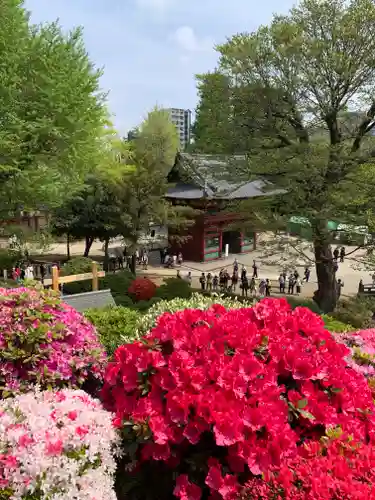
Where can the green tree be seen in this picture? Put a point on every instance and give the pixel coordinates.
(144, 184)
(53, 114)
(305, 71)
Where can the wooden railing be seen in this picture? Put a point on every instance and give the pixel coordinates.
(58, 280)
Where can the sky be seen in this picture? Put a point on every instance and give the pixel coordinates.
(151, 50)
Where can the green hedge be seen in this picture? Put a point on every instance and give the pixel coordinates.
(77, 265)
(173, 288)
(334, 325)
(115, 325)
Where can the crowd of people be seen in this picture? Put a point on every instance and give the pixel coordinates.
(252, 285)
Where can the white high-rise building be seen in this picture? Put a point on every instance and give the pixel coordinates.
(181, 118)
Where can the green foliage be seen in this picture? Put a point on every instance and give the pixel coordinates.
(173, 288)
(53, 113)
(301, 302)
(77, 265)
(8, 259)
(115, 325)
(356, 311)
(196, 301)
(299, 76)
(333, 325)
(8, 284)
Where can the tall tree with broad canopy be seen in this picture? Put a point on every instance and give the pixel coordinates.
(312, 103)
(53, 114)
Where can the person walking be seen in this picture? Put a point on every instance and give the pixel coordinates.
(145, 261)
(235, 266)
(336, 254)
(180, 259)
(281, 283)
(342, 254)
(361, 287)
(202, 281)
(189, 278)
(255, 269)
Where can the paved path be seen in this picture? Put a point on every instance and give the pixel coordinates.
(346, 272)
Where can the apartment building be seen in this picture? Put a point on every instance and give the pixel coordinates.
(181, 118)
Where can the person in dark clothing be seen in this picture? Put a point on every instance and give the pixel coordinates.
(291, 284)
(162, 256)
(120, 260)
(234, 280)
(342, 254)
(296, 274)
(268, 288)
(339, 286)
(307, 274)
(202, 281)
(255, 269)
(245, 286)
(361, 287)
(42, 270)
(336, 254)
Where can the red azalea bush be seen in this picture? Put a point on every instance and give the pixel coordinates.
(46, 342)
(142, 289)
(225, 398)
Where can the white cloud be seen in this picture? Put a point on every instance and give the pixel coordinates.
(186, 39)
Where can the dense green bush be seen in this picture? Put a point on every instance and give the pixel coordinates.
(173, 288)
(8, 259)
(77, 265)
(302, 302)
(334, 325)
(356, 311)
(8, 284)
(115, 325)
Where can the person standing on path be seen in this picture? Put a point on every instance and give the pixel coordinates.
(307, 274)
(342, 254)
(234, 280)
(209, 282)
(298, 286)
(202, 281)
(291, 284)
(262, 288)
(235, 266)
(255, 269)
(336, 254)
(281, 283)
(268, 288)
(339, 286)
(253, 290)
(245, 286)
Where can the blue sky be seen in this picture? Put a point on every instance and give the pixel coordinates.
(151, 49)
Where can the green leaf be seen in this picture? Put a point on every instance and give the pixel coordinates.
(302, 403)
(307, 415)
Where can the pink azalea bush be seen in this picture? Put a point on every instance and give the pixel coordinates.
(56, 446)
(44, 341)
(218, 404)
(362, 350)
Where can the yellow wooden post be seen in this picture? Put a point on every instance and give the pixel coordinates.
(55, 278)
(95, 281)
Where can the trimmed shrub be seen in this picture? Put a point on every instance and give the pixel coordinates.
(219, 399)
(56, 445)
(142, 289)
(115, 325)
(196, 301)
(301, 302)
(77, 265)
(44, 341)
(356, 311)
(334, 325)
(173, 288)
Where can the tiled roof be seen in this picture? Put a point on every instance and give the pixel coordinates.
(215, 177)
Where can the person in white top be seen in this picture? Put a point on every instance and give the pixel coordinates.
(29, 272)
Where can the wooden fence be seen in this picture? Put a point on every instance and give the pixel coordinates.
(58, 280)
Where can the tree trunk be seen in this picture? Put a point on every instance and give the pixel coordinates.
(88, 245)
(68, 246)
(326, 294)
